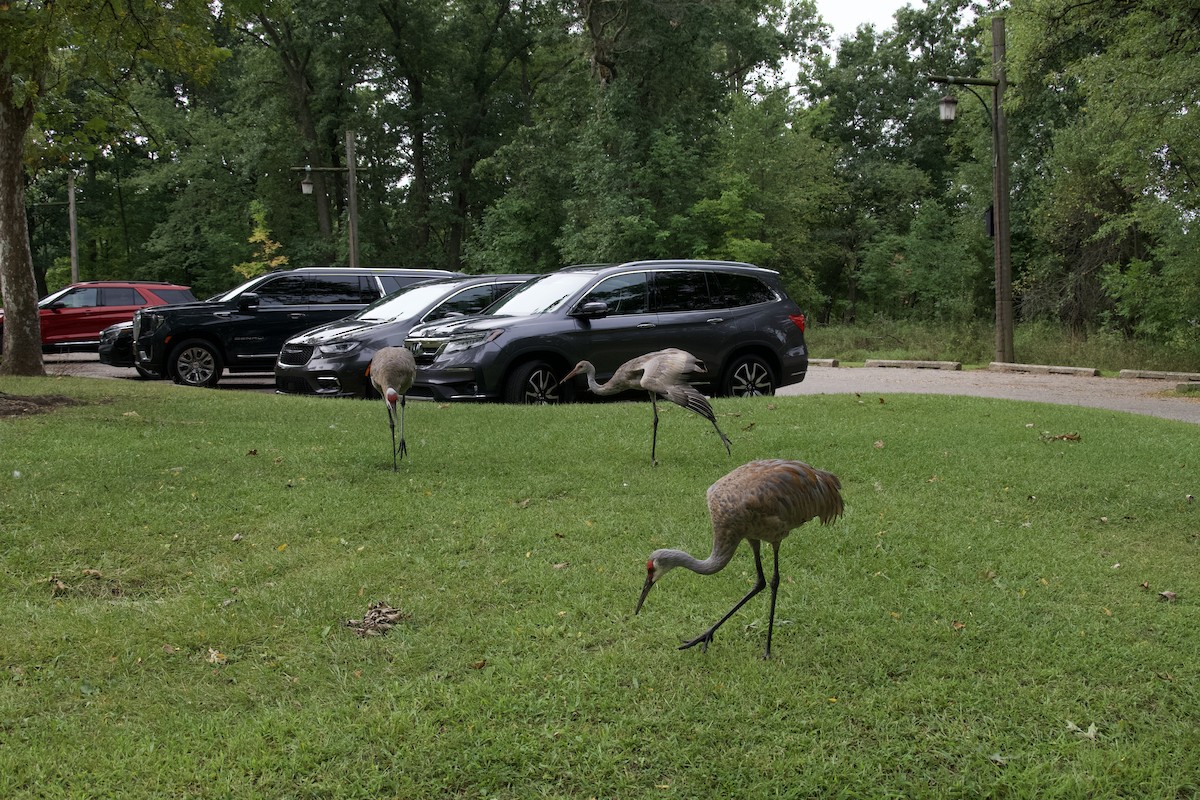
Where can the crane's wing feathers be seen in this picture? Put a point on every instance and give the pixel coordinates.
(766, 499)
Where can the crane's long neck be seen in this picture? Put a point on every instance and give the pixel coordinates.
(721, 554)
(598, 388)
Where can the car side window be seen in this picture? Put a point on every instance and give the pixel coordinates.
(286, 290)
(79, 298)
(624, 294)
(682, 290)
(731, 290)
(341, 290)
(468, 301)
(119, 296)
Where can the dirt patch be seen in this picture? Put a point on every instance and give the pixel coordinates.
(12, 405)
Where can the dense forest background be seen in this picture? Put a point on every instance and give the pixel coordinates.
(525, 135)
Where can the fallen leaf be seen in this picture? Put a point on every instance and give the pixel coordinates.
(881, 401)
(958, 626)
(1090, 733)
(1168, 596)
(131, 414)
(480, 664)
(169, 650)
(282, 547)
(562, 565)
(878, 444)
(216, 656)
(1145, 586)
(237, 537)
(1107, 612)
(91, 573)
(252, 453)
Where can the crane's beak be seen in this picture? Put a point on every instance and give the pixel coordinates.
(645, 591)
(567, 377)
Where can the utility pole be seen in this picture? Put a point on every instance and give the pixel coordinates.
(1001, 234)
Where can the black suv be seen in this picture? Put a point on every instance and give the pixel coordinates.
(736, 318)
(333, 359)
(243, 329)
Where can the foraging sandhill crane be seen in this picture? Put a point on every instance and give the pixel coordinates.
(661, 372)
(762, 501)
(392, 371)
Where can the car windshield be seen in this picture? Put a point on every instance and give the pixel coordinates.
(541, 295)
(408, 302)
(225, 297)
(50, 298)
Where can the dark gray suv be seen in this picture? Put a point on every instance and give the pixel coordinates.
(735, 317)
(243, 329)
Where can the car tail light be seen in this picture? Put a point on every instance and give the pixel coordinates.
(798, 320)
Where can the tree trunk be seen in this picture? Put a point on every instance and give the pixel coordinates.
(22, 342)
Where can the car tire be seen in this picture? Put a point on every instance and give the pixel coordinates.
(748, 376)
(536, 383)
(195, 362)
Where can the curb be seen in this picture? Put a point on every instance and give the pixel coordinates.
(1168, 376)
(1042, 369)
(914, 364)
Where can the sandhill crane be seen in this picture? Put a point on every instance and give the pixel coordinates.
(392, 371)
(759, 502)
(661, 372)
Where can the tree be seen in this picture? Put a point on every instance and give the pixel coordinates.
(43, 47)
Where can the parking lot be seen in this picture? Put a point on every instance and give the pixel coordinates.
(1153, 397)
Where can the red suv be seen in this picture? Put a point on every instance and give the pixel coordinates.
(74, 316)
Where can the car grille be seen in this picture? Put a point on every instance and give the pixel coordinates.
(424, 350)
(295, 355)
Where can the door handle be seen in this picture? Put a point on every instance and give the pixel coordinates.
(715, 320)
(296, 315)
(646, 325)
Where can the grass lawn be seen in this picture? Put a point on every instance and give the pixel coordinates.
(985, 620)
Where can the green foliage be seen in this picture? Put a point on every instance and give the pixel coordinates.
(173, 615)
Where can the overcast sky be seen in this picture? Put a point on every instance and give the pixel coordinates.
(846, 15)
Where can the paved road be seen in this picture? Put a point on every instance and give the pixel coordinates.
(1136, 395)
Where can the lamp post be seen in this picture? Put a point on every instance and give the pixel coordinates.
(1000, 172)
(351, 170)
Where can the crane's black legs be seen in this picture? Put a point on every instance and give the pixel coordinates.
(403, 447)
(654, 436)
(392, 425)
(705, 638)
(774, 592)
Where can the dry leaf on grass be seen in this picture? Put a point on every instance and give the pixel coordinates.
(1091, 733)
(379, 619)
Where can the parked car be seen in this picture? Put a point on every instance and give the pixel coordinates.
(332, 359)
(243, 329)
(72, 318)
(737, 318)
(116, 348)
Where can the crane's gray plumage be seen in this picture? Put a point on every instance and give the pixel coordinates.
(762, 501)
(659, 373)
(392, 371)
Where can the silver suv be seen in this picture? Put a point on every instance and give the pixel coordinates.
(735, 317)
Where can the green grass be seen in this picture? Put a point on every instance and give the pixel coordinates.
(935, 641)
(974, 344)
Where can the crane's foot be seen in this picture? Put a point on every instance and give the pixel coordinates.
(703, 640)
(402, 450)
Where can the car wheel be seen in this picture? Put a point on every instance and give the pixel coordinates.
(748, 376)
(145, 374)
(535, 383)
(195, 363)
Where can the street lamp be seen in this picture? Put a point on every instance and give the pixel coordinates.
(306, 186)
(1000, 169)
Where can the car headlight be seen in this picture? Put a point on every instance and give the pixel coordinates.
(471, 340)
(146, 322)
(338, 348)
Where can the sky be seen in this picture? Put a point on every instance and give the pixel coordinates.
(846, 15)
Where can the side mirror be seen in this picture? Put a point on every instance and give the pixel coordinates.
(248, 302)
(593, 310)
